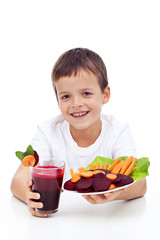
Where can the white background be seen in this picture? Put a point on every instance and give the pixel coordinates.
(34, 33)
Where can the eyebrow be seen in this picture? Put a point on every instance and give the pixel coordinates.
(87, 89)
(83, 89)
(63, 93)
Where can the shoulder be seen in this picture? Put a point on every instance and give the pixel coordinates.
(113, 123)
(119, 137)
(115, 129)
(52, 122)
(52, 127)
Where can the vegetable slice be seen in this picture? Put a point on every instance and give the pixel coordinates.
(112, 186)
(114, 164)
(81, 169)
(106, 165)
(76, 177)
(97, 165)
(98, 171)
(111, 176)
(118, 167)
(87, 174)
(126, 164)
(29, 160)
(130, 168)
(91, 166)
(71, 172)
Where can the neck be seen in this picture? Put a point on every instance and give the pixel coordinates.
(86, 137)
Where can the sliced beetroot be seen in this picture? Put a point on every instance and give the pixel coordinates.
(117, 179)
(99, 175)
(124, 180)
(69, 185)
(84, 190)
(36, 158)
(84, 183)
(106, 171)
(101, 183)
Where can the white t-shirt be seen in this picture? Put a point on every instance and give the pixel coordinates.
(53, 139)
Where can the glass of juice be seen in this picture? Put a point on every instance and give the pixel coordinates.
(47, 181)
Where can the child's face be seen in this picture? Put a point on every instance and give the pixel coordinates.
(80, 99)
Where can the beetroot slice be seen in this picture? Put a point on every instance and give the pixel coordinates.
(84, 183)
(105, 170)
(69, 185)
(117, 179)
(84, 190)
(101, 183)
(99, 175)
(124, 180)
(36, 158)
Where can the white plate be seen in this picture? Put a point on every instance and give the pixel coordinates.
(108, 191)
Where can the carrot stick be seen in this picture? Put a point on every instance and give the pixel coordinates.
(112, 186)
(126, 164)
(114, 164)
(71, 172)
(118, 167)
(76, 177)
(91, 166)
(81, 169)
(97, 165)
(105, 165)
(130, 168)
(101, 166)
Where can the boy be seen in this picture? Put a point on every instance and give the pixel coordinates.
(81, 132)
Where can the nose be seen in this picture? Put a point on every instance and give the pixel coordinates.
(77, 102)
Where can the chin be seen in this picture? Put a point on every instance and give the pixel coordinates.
(80, 127)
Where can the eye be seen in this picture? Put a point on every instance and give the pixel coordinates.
(64, 97)
(87, 94)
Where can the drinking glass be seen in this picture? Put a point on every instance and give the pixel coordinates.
(47, 181)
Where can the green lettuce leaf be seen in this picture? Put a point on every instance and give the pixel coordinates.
(29, 151)
(140, 169)
(101, 160)
(19, 154)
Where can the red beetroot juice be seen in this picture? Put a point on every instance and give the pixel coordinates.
(47, 180)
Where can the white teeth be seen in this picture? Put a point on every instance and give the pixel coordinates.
(78, 114)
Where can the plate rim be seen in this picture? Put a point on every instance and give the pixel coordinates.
(97, 193)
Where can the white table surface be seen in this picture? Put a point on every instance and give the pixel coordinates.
(77, 219)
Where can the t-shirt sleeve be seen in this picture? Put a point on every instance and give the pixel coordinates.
(124, 144)
(40, 144)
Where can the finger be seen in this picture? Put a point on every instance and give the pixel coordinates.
(32, 195)
(89, 199)
(33, 204)
(125, 189)
(37, 214)
(29, 183)
(108, 196)
(112, 195)
(99, 198)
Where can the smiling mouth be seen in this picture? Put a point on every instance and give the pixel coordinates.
(80, 114)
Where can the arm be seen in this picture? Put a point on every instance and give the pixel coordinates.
(138, 189)
(18, 184)
(21, 187)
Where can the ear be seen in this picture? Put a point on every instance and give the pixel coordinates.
(106, 95)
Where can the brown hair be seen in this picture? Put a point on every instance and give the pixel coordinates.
(76, 59)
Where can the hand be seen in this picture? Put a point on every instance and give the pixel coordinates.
(104, 198)
(31, 196)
